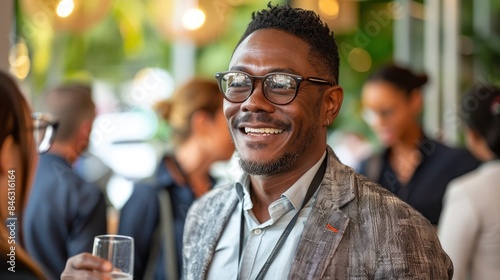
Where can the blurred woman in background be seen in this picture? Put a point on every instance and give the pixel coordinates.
(414, 167)
(155, 213)
(469, 228)
(18, 159)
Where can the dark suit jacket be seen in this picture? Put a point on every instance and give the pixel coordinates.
(63, 215)
(379, 236)
(438, 166)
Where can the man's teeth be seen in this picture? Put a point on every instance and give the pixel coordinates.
(263, 130)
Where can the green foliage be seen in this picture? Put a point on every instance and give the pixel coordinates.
(127, 40)
(376, 37)
(215, 57)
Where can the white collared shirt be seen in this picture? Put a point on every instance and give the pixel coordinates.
(260, 239)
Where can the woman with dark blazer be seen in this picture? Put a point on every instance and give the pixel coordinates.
(411, 165)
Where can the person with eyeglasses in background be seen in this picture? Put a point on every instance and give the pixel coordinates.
(64, 212)
(296, 212)
(413, 166)
(469, 227)
(22, 136)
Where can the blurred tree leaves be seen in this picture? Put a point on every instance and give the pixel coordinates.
(215, 57)
(127, 40)
(113, 50)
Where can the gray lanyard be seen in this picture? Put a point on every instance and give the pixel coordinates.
(318, 177)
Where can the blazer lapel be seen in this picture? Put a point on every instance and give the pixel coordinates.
(326, 224)
(210, 228)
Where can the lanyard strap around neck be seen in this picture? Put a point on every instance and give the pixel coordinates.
(318, 177)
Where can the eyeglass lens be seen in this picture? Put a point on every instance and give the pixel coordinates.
(278, 88)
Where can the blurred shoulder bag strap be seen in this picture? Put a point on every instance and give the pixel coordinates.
(163, 232)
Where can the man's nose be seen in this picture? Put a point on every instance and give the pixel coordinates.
(257, 101)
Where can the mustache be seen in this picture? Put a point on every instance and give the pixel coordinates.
(261, 117)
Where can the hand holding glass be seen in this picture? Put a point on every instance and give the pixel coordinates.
(119, 250)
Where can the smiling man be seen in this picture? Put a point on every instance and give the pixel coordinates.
(296, 212)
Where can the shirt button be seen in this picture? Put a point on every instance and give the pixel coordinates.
(257, 231)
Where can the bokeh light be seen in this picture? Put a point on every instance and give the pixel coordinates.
(193, 19)
(329, 8)
(19, 60)
(65, 8)
(360, 60)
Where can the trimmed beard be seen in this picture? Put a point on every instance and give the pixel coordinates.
(282, 164)
(288, 160)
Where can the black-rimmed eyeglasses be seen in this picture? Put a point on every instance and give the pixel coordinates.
(44, 130)
(278, 88)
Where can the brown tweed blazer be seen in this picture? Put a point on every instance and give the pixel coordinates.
(375, 235)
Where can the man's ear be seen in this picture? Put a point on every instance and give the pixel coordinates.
(333, 98)
(416, 101)
(81, 140)
(83, 132)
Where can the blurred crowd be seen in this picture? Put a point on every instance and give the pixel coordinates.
(55, 213)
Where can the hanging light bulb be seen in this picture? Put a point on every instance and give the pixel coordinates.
(65, 8)
(329, 8)
(193, 18)
(20, 63)
(179, 20)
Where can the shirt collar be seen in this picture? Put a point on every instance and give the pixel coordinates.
(295, 194)
(163, 177)
(55, 157)
(242, 189)
(298, 190)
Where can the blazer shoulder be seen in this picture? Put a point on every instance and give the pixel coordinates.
(378, 200)
(398, 231)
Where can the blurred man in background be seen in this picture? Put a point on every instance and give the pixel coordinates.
(64, 212)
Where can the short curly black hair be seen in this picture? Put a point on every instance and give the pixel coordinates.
(304, 24)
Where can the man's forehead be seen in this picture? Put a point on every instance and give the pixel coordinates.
(273, 37)
(265, 44)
